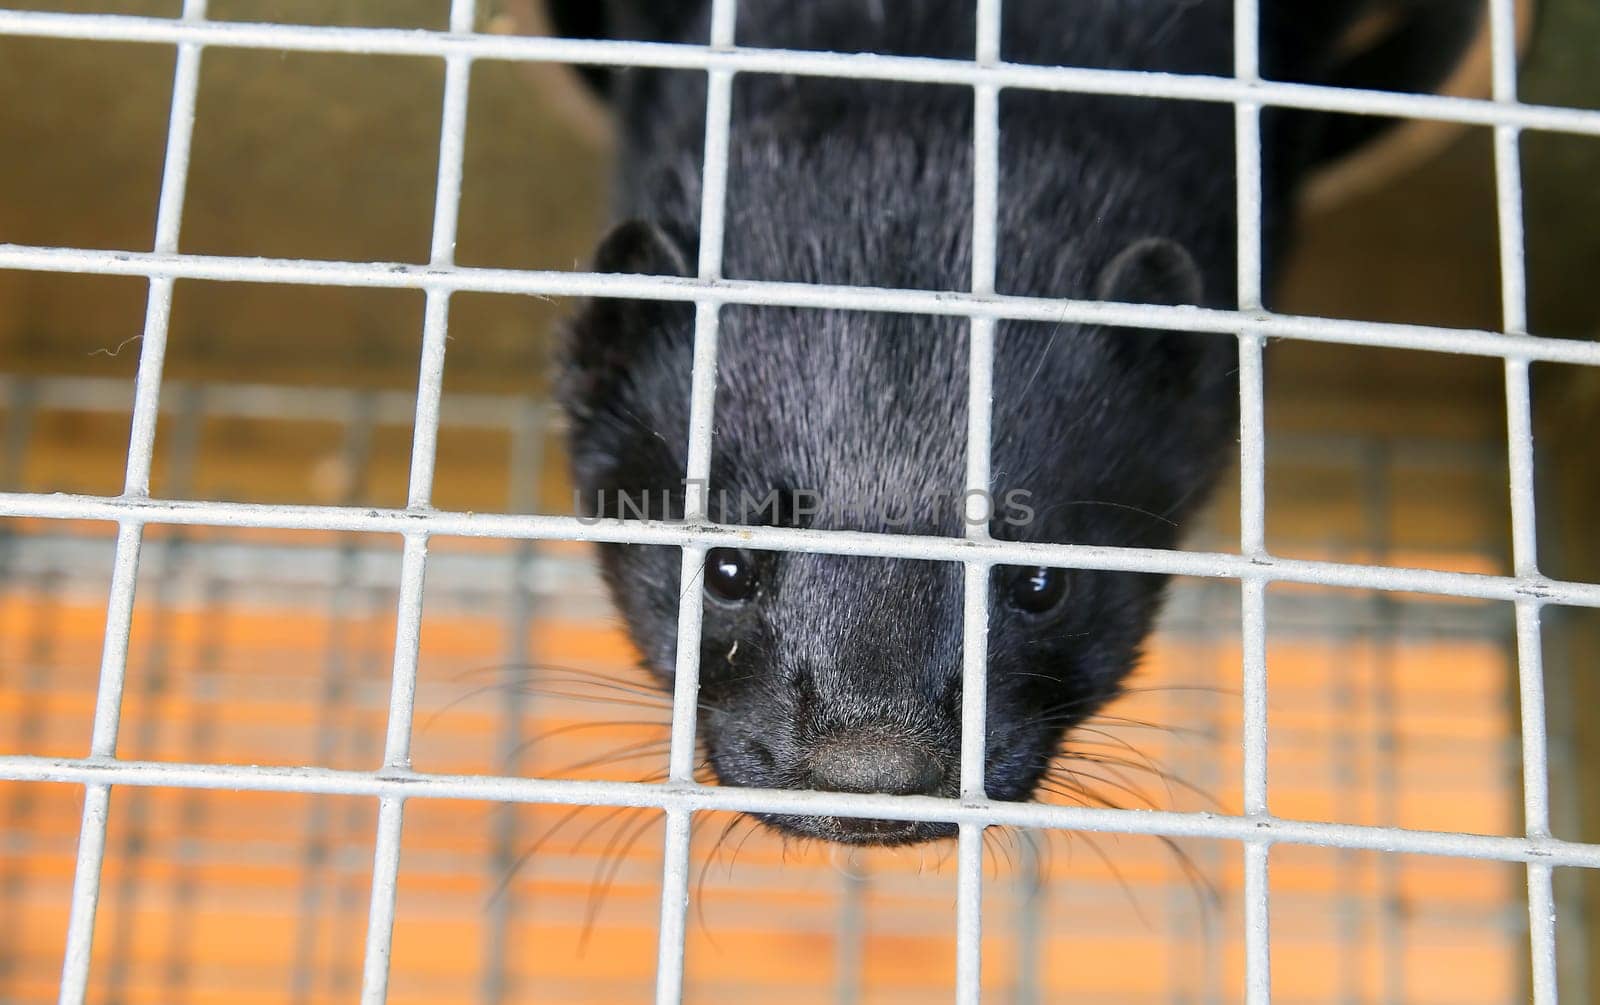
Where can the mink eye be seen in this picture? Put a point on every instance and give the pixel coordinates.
(1038, 589)
(730, 574)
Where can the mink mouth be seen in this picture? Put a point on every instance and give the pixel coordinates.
(860, 831)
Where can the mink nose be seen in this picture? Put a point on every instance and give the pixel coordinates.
(861, 761)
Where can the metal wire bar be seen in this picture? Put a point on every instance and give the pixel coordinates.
(1378, 504)
(195, 804)
(1252, 495)
(1216, 616)
(850, 936)
(567, 528)
(1524, 536)
(399, 275)
(975, 581)
(173, 553)
(413, 567)
(125, 565)
(969, 912)
(526, 455)
(1029, 921)
(913, 69)
(421, 785)
(1536, 805)
(1253, 629)
(672, 933)
(21, 396)
(354, 457)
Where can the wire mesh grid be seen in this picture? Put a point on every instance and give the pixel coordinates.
(1257, 829)
(226, 666)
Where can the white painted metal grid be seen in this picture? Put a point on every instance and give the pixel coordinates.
(394, 783)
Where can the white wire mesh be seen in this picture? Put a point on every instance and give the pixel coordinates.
(680, 797)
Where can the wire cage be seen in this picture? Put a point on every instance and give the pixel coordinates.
(312, 694)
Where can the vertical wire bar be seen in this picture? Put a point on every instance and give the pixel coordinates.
(1252, 448)
(175, 553)
(1542, 925)
(21, 396)
(1215, 613)
(969, 915)
(850, 944)
(136, 483)
(674, 909)
(1258, 974)
(980, 403)
(1348, 779)
(686, 676)
(380, 914)
(1378, 502)
(1248, 199)
(1257, 925)
(374, 643)
(1524, 534)
(713, 206)
(413, 564)
(1030, 921)
(354, 455)
(1536, 809)
(209, 649)
(1252, 496)
(525, 460)
(85, 895)
(980, 416)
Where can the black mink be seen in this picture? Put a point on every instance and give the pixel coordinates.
(843, 673)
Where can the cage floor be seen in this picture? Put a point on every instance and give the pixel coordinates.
(272, 649)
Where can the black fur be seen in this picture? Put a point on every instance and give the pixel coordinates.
(1117, 435)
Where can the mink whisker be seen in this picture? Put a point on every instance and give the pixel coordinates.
(613, 865)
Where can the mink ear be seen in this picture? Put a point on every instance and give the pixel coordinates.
(1159, 271)
(1153, 270)
(639, 247)
(605, 342)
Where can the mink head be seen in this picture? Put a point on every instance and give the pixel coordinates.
(844, 673)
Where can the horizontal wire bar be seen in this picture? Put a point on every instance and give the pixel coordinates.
(548, 283)
(699, 798)
(861, 66)
(1215, 565)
